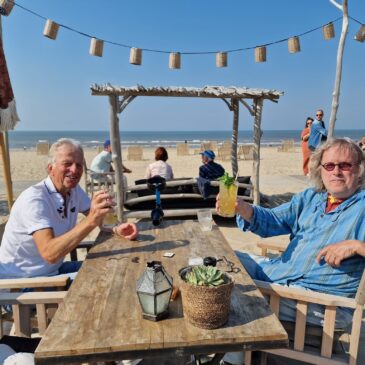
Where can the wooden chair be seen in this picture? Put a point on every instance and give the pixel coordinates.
(245, 152)
(287, 145)
(302, 334)
(211, 145)
(21, 302)
(94, 181)
(42, 148)
(135, 153)
(224, 153)
(182, 149)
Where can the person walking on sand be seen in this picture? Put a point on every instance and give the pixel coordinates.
(305, 150)
(318, 133)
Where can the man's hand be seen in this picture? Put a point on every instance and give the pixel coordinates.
(126, 230)
(101, 204)
(335, 253)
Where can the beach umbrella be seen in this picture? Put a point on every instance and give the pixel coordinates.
(8, 119)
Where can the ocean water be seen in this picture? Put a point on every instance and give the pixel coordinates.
(29, 139)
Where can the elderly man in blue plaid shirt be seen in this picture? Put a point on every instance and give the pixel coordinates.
(326, 224)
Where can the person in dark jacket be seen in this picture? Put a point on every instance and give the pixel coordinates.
(210, 170)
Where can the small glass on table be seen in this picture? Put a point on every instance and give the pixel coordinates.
(205, 219)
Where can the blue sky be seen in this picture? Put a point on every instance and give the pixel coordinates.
(51, 79)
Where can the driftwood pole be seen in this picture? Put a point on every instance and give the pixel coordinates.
(235, 107)
(116, 153)
(341, 45)
(256, 150)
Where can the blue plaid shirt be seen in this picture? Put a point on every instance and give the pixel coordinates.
(310, 230)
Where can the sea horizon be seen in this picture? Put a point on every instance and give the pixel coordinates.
(153, 139)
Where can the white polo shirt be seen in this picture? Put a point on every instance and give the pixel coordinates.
(38, 207)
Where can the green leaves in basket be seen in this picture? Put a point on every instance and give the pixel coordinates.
(226, 179)
(205, 276)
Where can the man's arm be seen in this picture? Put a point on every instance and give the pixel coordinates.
(335, 253)
(53, 248)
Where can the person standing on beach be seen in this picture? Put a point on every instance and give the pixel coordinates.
(318, 133)
(43, 227)
(305, 150)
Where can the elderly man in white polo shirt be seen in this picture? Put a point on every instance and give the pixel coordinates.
(42, 227)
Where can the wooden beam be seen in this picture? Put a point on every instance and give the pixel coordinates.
(116, 154)
(256, 151)
(341, 46)
(236, 109)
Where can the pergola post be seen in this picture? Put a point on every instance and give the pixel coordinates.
(256, 150)
(116, 153)
(235, 107)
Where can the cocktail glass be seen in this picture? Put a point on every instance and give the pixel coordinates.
(227, 199)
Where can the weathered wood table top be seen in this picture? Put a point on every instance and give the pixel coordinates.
(101, 318)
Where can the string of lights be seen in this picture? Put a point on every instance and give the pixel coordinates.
(96, 46)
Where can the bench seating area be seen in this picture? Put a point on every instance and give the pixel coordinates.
(180, 193)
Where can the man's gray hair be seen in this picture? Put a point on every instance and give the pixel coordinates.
(61, 142)
(345, 144)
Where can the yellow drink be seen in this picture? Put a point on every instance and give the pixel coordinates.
(110, 220)
(227, 199)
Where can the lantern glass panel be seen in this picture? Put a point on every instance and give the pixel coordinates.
(163, 301)
(147, 302)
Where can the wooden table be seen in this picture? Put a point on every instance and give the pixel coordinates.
(101, 319)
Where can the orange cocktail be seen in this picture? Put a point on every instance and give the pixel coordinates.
(227, 199)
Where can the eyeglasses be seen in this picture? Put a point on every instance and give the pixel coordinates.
(343, 166)
(319, 115)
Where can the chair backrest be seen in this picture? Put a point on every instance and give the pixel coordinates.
(224, 153)
(94, 181)
(211, 145)
(21, 302)
(135, 153)
(182, 149)
(42, 148)
(287, 145)
(246, 152)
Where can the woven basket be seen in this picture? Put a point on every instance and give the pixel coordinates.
(207, 307)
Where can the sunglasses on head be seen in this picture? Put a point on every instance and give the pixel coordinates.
(343, 166)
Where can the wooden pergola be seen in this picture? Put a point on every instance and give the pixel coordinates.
(121, 96)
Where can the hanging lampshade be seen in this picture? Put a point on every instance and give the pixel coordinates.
(51, 29)
(175, 60)
(360, 35)
(154, 289)
(135, 56)
(293, 45)
(328, 31)
(7, 7)
(260, 54)
(96, 47)
(221, 59)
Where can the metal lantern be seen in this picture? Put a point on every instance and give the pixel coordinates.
(154, 290)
